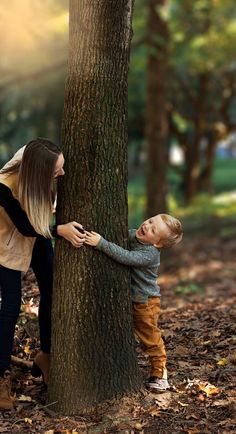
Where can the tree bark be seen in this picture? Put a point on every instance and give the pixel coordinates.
(93, 357)
(193, 151)
(156, 121)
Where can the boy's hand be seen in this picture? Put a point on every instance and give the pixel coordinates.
(92, 238)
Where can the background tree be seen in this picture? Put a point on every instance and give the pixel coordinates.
(93, 356)
(156, 115)
(199, 82)
(202, 84)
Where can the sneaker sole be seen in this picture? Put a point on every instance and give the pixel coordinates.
(157, 389)
(152, 390)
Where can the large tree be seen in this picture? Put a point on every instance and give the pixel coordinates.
(93, 355)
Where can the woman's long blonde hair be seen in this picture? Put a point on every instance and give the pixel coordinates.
(35, 182)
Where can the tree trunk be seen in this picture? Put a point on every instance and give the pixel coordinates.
(205, 180)
(192, 171)
(93, 356)
(193, 151)
(156, 122)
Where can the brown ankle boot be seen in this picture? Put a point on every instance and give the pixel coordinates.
(41, 366)
(6, 400)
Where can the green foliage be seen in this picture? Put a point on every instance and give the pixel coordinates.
(202, 41)
(34, 109)
(203, 34)
(137, 72)
(204, 210)
(136, 201)
(185, 288)
(224, 175)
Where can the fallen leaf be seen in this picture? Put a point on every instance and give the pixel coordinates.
(168, 334)
(222, 362)
(201, 398)
(182, 404)
(31, 309)
(27, 350)
(206, 343)
(4, 428)
(192, 416)
(232, 358)
(208, 388)
(27, 420)
(181, 350)
(23, 398)
(183, 364)
(223, 402)
(216, 333)
(138, 426)
(192, 430)
(177, 325)
(154, 411)
(164, 400)
(196, 385)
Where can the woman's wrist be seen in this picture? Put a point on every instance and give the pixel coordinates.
(56, 231)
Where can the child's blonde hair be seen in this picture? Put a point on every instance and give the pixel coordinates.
(176, 230)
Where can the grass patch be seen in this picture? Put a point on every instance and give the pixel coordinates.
(224, 175)
(185, 288)
(207, 213)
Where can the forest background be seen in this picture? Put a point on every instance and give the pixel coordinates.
(182, 150)
(181, 142)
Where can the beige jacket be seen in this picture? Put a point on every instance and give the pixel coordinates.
(15, 248)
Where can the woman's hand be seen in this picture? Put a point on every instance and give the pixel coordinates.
(92, 238)
(70, 232)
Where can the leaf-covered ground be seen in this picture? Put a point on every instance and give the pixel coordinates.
(198, 280)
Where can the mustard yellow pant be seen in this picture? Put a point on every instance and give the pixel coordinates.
(145, 317)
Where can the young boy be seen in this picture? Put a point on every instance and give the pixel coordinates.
(143, 257)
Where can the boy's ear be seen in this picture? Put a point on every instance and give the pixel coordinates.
(159, 245)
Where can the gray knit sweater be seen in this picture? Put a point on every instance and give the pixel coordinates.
(144, 260)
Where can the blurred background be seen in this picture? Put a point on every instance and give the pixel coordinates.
(182, 101)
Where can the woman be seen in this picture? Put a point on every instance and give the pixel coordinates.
(26, 207)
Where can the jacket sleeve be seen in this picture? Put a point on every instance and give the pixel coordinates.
(15, 212)
(131, 258)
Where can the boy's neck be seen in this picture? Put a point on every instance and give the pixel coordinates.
(141, 242)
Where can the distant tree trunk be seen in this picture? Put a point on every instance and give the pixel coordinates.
(93, 357)
(156, 120)
(192, 170)
(193, 151)
(205, 179)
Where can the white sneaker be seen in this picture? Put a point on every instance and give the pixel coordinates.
(157, 384)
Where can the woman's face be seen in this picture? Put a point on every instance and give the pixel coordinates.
(59, 171)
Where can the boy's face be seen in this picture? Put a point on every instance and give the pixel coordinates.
(153, 231)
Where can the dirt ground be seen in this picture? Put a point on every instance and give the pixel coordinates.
(198, 281)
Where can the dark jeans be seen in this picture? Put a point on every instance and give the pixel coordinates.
(10, 285)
